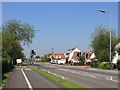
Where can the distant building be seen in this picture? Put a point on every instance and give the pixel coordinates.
(60, 56)
(72, 54)
(56, 56)
(91, 56)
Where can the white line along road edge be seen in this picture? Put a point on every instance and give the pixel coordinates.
(26, 79)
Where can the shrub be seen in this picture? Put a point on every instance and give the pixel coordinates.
(104, 65)
(113, 66)
(43, 60)
(83, 60)
(6, 63)
(94, 64)
(118, 64)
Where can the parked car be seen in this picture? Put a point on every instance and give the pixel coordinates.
(61, 61)
(74, 61)
(54, 61)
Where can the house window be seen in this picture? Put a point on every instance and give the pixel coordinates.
(86, 55)
(80, 53)
(118, 53)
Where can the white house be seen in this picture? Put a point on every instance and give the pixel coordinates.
(117, 55)
(91, 56)
(71, 52)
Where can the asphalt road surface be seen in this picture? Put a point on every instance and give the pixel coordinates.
(87, 81)
(23, 77)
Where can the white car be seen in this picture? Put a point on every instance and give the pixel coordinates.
(74, 60)
(61, 61)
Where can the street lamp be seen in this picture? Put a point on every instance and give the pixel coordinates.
(103, 11)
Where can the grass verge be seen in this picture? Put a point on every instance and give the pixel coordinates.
(60, 81)
(5, 77)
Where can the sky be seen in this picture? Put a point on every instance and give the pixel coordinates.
(60, 0)
(62, 25)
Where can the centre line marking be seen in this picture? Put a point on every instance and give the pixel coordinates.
(26, 79)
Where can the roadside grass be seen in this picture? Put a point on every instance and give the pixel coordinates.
(60, 81)
(5, 77)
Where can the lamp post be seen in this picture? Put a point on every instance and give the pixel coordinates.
(103, 11)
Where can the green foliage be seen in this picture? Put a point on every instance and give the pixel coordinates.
(104, 65)
(118, 64)
(6, 62)
(0, 46)
(94, 64)
(82, 57)
(11, 47)
(101, 43)
(37, 57)
(44, 59)
(118, 50)
(5, 77)
(20, 32)
(53, 57)
(83, 60)
(14, 35)
(113, 66)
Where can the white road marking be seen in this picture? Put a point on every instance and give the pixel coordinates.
(54, 74)
(115, 80)
(48, 71)
(62, 77)
(27, 69)
(26, 79)
(95, 75)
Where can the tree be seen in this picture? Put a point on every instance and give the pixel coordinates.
(101, 43)
(22, 33)
(14, 35)
(0, 47)
(37, 57)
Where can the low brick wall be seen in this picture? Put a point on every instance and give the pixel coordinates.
(79, 64)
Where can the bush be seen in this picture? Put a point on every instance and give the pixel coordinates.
(113, 66)
(118, 64)
(83, 60)
(94, 64)
(43, 60)
(6, 63)
(104, 65)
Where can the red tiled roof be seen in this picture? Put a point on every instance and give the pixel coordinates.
(61, 55)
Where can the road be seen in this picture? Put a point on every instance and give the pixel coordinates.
(34, 80)
(73, 74)
(23, 77)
